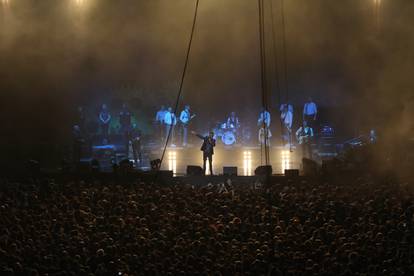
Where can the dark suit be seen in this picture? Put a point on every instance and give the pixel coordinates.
(208, 150)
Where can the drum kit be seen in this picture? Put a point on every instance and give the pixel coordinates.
(227, 133)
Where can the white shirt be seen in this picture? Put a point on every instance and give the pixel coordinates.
(264, 116)
(287, 118)
(289, 106)
(160, 116)
(262, 134)
(170, 119)
(185, 116)
(310, 109)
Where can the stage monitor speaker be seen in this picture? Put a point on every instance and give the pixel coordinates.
(263, 170)
(194, 170)
(231, 171)
(164, 177)
(292, 173)
(310, 167)
(165, 173)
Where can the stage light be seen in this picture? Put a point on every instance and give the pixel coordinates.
(247, 163)
(285, 160)
(172, 161)
(377, 14)
(207, 168)
(79, 2)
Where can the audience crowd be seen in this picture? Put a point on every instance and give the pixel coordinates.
(353, 225)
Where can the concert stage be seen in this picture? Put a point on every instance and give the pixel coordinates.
(246, 159)
(176, 158)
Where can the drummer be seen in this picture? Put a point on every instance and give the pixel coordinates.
(233, 122)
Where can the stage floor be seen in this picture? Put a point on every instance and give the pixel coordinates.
(246, 159)
(177, 158)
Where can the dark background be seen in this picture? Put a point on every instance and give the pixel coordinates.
(56, 55)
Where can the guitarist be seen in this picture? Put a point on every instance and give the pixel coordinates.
(185, 118)
(304, 136)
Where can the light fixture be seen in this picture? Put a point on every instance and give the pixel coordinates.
(172, 161)
(247, 163)
(285, 160)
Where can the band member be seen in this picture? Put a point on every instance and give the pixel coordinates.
(104, 119)
(264, 117)
(135, 141)
(170, 121)
(125, 122)
(159, 120)
(125, 118)
(310, 112)
(286, 116)
(304, 136)
(233, 121)
(264, 136)
(208, 149)
(78, 142)
(185, 118)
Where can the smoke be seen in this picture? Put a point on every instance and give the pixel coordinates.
(55, 55)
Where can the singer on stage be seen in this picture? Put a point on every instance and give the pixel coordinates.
(208, 149)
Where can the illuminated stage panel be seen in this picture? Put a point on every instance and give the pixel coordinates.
(247, 163)
(172, 161)
(285, 160)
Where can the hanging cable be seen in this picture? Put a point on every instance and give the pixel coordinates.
(261, 72)
(276, 65)
(285, 63)
(182, 78)
(263, 81)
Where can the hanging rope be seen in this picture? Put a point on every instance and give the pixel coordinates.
(263, 81)
(285, 63)
(276, 66)
(182, 78)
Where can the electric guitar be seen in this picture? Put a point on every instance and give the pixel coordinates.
(191, 117)
(303, 137)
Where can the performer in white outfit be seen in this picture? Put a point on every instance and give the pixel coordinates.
(264, 116)
(264, 136)
(286, 116)
(310, 111)
(170, 121)
(159, 121)
(304, 137)
(185, 118)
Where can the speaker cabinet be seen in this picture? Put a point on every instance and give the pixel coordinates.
(263, 170)
(194, 170)
(231, 171)
(292, 173)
